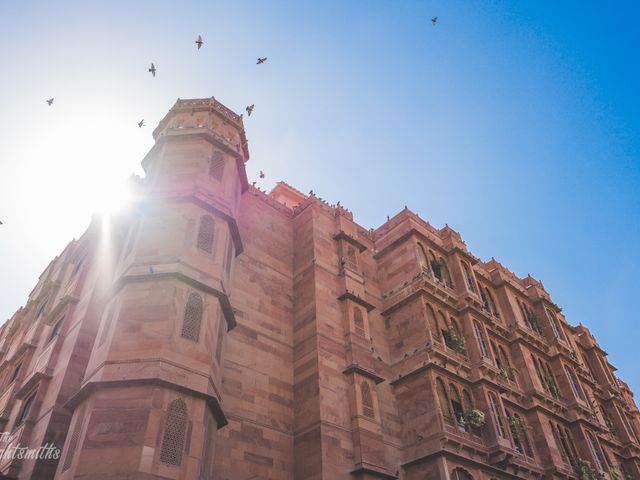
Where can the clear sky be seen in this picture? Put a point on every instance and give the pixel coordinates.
(514, 122)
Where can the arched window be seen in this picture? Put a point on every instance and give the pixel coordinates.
(443, 399)
(562, 448)
(492, 304)
(74, 439)
(433, 324)
(460, 474)
(435, 266)
(221, 327)
(41, 309)
(555, 326)
(471, 284)
(192, 317)
(575, 385)
(15, 373)
(216, 165)
(541, 377)
(367, 399)
(442, 323)
(175, 427)
(494, 408)
(456, 405)
(445, 273)
(506, 364)
(519, 434)
(26, 408)
(351, 258)
(205, 234)
(523, 313)
(55, 331)
(485, 301)
(358, 321)
(423, 262)
(482, 343)
(595, 451)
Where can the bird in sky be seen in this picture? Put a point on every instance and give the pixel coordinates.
(153, 70)
(141, 123)
(434, 20)
(249, 109)
(261, 60)
(199, 42)
(261, 174)
(50, 101)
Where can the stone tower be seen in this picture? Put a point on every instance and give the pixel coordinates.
(161, 335)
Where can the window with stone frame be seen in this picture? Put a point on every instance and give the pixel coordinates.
(492, 304)
(15, 373)
(423, 260)
(192, 317)
(367, 399)
(220, 337)
(519, 434)
(471, 284)
(41, 309)
(74, 439)
(206, 234)
(496, 416)
(446, 274)
(457, 407)
(433, 323)
(562, 444)
(556, 327)
(216, 165)
(594, 447)
(55, 331)
(25, 410)
(351, 258)
(358, 321)
(435, 265)
(482, 342)
(207, 446)
(173, 437)
(575, 384)
(229, 255)
(443, 399)
(531, 320)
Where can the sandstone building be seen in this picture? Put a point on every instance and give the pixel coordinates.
(215, 331)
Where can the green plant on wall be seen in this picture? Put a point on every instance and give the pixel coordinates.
(453, 340)
(584, 470)
(516, 426)
(475, 418)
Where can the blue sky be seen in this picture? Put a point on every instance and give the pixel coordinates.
(514, 122)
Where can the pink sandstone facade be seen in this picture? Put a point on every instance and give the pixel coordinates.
(214, 331)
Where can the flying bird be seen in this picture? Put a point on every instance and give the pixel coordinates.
(261, 174)
(199, 42)
(153, 70)
(249, 109)
(141, 123)
(434, 20)
(50, 101)
(261, 60)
